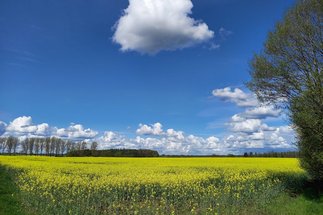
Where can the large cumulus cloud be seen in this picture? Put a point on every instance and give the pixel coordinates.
(248, 128)
(150, 26)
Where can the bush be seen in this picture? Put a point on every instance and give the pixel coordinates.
(307, 115)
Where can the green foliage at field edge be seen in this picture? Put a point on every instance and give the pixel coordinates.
(9, 201)
(295, 205)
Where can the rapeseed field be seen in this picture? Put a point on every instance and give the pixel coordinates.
(53, 185)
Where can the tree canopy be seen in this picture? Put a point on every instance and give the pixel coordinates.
(289, 73)
(291, 62)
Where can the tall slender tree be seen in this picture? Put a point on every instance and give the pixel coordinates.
(2, 144)
(31, 145)
(24, 146)
(94, 145)
(37, 146)
(12, 143)
(69, 146)
(83, 145)
(42, 145)
(47, 146)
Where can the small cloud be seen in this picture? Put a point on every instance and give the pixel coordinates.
(214, 46)
(155, 129)
(224, 33)
(236, 96)
(177, 134)
(24, 127)
(76, 131)
(246, 125)
(262, 112)
(151, 26)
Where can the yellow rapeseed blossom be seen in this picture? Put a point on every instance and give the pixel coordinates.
(146, 185)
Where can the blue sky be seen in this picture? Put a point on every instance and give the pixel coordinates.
(68, 62)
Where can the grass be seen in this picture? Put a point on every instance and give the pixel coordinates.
(9, 201)
(300, 204)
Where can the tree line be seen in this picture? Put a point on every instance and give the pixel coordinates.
(291, 154)
(50, 146)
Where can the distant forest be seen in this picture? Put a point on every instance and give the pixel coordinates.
(291, 154)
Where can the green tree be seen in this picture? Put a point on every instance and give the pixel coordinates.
(12, 143)
(42, 144)
(31, 145)
(83, 145)
(47, 145)
(25, 146)
(289, 74)
(2, 144)
(69, 145)
(37, 146)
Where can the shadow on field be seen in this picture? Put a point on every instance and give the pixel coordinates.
(9, 204)
(312, 190)
(299, 184)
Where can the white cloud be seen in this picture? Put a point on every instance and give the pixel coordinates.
(176, 134)
(23, 125)
(42, 129)
(265, 127)
(256, 110)
(247, 133)
(109, 136)
(242, 141)
(286, 129)
(76, 131)
(247, 125)
(151, 26)
(249, 129)
(237, 118)
(239, 123)
(262, 112)
(214, 46)
(224, 33)
(164, 145)
(273, 138)
(254, 133)
(209, 145)
(257, 136)
(150, 143)
(282, 137)
(155, 129)
(236, 96)
(112, 139)
(176, 142)
(213, 140)
(169, 142)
